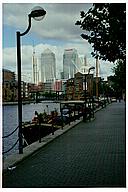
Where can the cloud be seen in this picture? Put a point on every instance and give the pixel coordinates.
(59, 22)
(9, 58)
(105, 68)
(58, 26)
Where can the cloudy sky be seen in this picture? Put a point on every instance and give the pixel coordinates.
(57, 31)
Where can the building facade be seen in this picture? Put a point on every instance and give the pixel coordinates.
(78, 86)
(8, 75)
(58, 85)
(9, 91)
(70, 89)
(9, 86)
(48, 66)
(75, 87)
(70, 63)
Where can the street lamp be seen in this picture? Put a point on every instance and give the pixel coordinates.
(85, 114)
(38, 14)
(91, 68)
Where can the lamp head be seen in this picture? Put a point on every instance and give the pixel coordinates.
(91, 68)
(37, 13)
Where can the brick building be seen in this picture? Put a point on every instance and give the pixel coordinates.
(9, 86)
(78, 86)
(70, 89)
(75, 87)
(8, 75)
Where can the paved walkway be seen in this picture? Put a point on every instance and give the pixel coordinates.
(89, 155)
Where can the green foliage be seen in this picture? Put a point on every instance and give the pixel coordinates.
(105, 28)
(120, 74)
(119, 78)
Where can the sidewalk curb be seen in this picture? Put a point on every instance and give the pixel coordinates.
(15, 159)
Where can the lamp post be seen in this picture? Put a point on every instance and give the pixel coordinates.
(91, 68)
(38, 14)
(85, 99)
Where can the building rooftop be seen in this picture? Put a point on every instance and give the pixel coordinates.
(7, 70)
(47, 51)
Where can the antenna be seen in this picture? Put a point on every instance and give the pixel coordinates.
(34, 66)
(85, 60)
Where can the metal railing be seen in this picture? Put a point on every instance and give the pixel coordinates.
(6, 136)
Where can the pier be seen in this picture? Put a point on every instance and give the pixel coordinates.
(91, 154)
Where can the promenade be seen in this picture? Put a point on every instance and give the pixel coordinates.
(91, 154)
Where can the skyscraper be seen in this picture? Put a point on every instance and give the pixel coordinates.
(48, 66)
(34, 68)
(70, 63)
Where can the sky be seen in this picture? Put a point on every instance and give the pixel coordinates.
(57, 31)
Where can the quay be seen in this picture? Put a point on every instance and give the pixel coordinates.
(28, 102)
(16, 102)
(91, 154)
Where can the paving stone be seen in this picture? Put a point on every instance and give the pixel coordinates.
(89, 155)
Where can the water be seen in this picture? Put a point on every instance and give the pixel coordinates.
(10, 120)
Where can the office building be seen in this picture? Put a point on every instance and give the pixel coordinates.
(70, 63)
(48, 66)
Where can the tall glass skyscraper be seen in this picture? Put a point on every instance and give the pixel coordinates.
(70, 63)
(48, 66)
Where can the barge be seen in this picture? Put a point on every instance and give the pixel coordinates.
(43, 124)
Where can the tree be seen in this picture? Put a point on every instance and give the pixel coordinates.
(120, 75)
(119, 78)
(105, 28)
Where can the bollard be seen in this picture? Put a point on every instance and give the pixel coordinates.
(39, 132)
(74, 113)
(93, 106)
(69, 116)
(52, 112)
(62, 118)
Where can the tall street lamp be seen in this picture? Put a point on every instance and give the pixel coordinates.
(91, 68)
(38, 14)
(85, 99)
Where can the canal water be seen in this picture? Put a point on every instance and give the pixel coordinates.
(10, 120)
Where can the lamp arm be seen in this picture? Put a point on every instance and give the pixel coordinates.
(29, 26)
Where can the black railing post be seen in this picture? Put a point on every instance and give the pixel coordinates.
(93, 106)
(52, 113)
(39, 131)
(61, 113)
